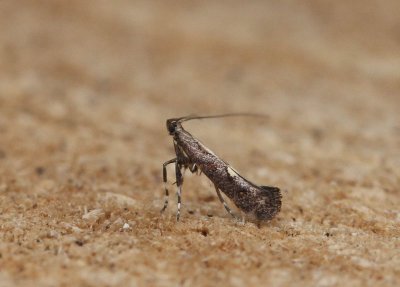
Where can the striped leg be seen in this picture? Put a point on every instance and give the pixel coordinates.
(224, 203)
(179, 182)
(165, 182)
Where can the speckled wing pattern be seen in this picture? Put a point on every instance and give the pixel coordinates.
(258, 202)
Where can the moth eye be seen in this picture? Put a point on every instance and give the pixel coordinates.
(172, 128)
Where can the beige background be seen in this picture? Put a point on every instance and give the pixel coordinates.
(86, 87)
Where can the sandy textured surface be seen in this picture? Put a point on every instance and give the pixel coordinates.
(86, 87)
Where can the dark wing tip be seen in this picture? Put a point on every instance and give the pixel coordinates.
(273, 203)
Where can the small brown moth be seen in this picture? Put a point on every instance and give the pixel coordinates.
(258, 202)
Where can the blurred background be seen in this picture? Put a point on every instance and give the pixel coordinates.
(86, 87)
(174, 57)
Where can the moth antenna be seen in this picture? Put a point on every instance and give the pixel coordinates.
(194, 117)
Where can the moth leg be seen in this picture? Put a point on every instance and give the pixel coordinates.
(224, 203)
(179, 182)
(193, 168)
(165, 182)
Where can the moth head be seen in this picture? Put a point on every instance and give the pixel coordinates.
(172, 124)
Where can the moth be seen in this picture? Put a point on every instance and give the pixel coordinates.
(259, 203)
